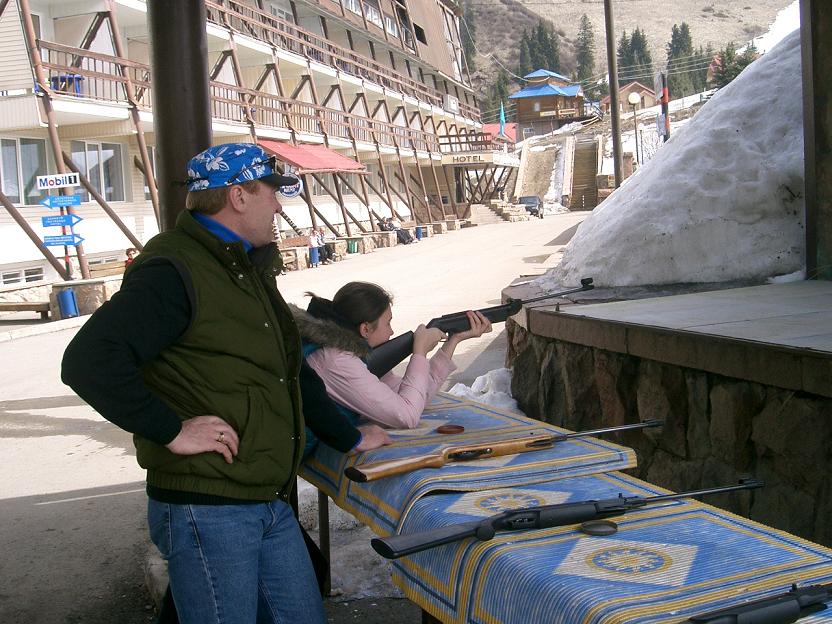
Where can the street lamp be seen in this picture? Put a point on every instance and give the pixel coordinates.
(635, 99)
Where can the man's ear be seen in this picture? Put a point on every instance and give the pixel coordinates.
(237, 198)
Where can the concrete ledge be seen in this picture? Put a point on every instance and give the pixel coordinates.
(440, 227)
(726, 332)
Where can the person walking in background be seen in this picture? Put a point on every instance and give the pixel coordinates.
(198, 356)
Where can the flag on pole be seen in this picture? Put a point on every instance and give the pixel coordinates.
(502, 119)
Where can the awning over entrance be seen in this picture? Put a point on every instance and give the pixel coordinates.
(308, 158)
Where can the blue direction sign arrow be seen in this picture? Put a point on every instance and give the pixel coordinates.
(61, 220)
(66, 239)
(61, 201)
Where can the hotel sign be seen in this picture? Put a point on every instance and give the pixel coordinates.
(468, 159)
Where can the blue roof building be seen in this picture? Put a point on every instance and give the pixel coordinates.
(549, 101)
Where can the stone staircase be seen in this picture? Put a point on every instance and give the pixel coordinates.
(483, 215)
(584, 185)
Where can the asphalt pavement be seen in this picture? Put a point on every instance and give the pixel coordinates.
(72, 503)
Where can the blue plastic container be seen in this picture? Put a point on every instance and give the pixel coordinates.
(67, 303)
(314, 256)
(419, 233)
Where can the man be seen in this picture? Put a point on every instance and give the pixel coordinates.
(198, 357)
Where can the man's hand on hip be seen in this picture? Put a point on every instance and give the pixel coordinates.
(206, 434)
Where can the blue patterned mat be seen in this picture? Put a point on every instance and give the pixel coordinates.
(666, 563)
(383, 503)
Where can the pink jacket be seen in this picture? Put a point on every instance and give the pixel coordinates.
(393, 401)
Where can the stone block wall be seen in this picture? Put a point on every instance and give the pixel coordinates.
(717, 429)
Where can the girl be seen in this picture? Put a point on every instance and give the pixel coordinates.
(338, 333)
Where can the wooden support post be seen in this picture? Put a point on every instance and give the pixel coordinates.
(307, 196)
(387, 188)
(451, 189)
(438, 191)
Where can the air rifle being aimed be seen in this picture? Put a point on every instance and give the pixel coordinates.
(467, 452)
(385, 357)
(783, 608)
(543, 517)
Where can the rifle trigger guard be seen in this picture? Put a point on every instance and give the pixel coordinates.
(469, 455)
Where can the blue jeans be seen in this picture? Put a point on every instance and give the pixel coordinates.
(236, 564)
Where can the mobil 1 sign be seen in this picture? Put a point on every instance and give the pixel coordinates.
(58, 180)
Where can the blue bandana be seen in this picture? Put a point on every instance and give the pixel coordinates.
(235, 163)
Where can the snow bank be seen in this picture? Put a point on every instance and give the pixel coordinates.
(493, 388)
(721, 201)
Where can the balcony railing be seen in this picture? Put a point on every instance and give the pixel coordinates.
(468, 142)
(251, 21)
(91, 75)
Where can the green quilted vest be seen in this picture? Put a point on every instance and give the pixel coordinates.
(238, 360)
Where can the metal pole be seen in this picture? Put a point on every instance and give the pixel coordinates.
(635, 133)
(181, 96)
(612, 68)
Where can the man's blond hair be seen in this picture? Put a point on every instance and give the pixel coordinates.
(211, 201)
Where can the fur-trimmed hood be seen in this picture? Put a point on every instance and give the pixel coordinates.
(328, 333)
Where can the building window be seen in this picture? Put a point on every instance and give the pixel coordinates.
(151, 154)
(102, 166)
(353, 5)
(390, 26)
(22, 161)
(420, 33)
(19, 276)
(536, 106)
(373, 15)
(283, 13)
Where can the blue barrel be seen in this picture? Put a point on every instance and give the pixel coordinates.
(314, 256)
(419, 233)
(67, 303)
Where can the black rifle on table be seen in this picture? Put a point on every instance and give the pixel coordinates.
(386, 356)
(542, 517)
(783, 608)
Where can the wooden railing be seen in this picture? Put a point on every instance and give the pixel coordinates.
(91, 75)
(251, 21)
(467, 142)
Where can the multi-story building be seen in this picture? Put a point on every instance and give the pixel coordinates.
(368, 100)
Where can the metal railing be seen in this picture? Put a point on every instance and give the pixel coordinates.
(468, 142)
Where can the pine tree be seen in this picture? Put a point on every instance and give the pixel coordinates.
(680, 62)
(525, 63)
(625, 58)
(703, 58)
(468, 32)
(585, 50)
(731, 64)
(642, 59)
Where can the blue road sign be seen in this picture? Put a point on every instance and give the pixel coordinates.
(61, 220)
(66, 239)
(61, 201)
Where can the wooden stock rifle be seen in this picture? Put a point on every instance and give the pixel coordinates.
(386, 356)
(543, 517)
(468, 452)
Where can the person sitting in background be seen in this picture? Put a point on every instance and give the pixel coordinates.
(131, 254)
(324, 250)
(337, 334)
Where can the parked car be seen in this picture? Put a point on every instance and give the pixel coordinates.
(533, 205)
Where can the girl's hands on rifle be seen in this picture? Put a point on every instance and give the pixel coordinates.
(479, 326)
(424, 339)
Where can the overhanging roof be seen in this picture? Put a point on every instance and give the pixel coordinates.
(311, 158)
(545, 73)
(572, 90)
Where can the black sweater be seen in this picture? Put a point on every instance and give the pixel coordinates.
(150, 312)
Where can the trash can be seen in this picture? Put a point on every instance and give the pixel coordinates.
(352, 246)
(314, 256)
(419, 232)
(67, 303)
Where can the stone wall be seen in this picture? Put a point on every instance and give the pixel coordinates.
(717, 429)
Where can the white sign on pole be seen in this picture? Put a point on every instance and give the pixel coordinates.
(58, 180)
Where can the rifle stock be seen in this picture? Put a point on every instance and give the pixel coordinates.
(782, 608)
(468, 452)
(385, 357)
(546, 516)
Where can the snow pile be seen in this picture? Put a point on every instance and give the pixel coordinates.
(493, 388)
(721, 201)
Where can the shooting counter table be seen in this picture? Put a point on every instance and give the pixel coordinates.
(666, 563)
